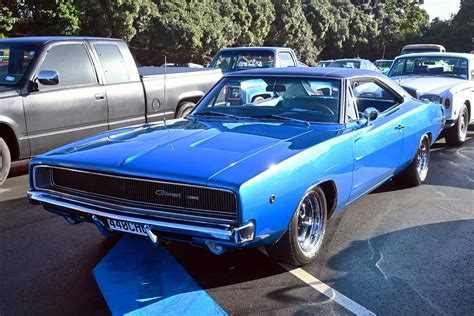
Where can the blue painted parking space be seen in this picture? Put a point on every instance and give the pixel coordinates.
(137, 278)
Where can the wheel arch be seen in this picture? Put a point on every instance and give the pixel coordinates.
(330, 191)
(9, 136)
(194, 99)
(469, 112)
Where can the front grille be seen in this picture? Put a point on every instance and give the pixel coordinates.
(164, 197)
(410, 91)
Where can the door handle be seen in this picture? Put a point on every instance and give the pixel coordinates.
(100, 96)
(399, 127)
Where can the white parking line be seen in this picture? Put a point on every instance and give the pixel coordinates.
(325, 289)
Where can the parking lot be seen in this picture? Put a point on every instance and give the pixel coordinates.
(395, 251)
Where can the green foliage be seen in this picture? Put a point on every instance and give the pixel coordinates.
(291, 29)
(194, 30)
(7, 20)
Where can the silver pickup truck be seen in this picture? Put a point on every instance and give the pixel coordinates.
(55, 90)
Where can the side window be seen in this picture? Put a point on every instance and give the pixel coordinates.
(286, 60)
(73, 65)
(370, 93)
(113, 63)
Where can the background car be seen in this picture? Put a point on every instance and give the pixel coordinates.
(235, 174)
(422, 48)
(353, 63)
(383, 65)
(324, 63)
(444, 78)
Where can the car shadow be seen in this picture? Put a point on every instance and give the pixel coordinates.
(426, 268)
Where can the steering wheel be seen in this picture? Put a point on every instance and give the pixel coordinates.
(326, 108)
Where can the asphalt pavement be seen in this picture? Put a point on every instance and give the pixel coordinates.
(395, 251)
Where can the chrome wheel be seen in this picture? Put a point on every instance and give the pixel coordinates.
(463, 125)
(422, 158)
(310, 222)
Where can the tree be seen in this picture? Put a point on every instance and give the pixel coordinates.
(291, 29)
(7, 20)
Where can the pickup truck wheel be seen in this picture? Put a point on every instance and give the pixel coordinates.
(185, 108)
(5, 161)
(417, 171)
(305, 233)
(456, 135)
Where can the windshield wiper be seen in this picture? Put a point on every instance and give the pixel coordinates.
(212, 113)
(281, 117)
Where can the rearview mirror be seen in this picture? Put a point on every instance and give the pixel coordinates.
(371, 114)
(276, 88)
(48, 77)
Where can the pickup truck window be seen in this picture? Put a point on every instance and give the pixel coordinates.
(14, 60)
(242, 60)
(286, 60)
(112, 63)
(73, 65)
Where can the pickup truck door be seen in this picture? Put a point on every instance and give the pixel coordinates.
(378, 145)
(74, 108)
(123, 87)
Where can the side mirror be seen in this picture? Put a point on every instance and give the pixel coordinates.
(48, 77)
(371, 114)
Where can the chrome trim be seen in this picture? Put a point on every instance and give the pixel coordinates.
(236, 214)
(138, 211)
(226, 234)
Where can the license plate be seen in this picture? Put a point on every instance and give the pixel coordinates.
(127, 227)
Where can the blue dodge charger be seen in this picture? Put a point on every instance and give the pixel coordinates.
(265, 159)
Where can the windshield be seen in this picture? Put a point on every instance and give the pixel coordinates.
(430, 66)
(345, 64)
(241, 60)
(14, 60)
(286, 99)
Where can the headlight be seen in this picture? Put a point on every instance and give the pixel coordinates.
(432, 98)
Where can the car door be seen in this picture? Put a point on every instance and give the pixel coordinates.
(378, 143)
(123, 87)
(74, 108)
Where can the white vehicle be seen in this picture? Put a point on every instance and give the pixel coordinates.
(445, 78)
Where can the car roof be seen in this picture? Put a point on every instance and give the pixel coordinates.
(328, 72)
(46, 39)
(271, 48)
(411, 46)
(350, 59)
(437, 54)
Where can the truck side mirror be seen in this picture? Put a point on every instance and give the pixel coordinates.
(48, 77)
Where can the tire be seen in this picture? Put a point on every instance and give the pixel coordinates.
(456, 135)
(416, 172)
(5, 161)
(184, 108)
(300, 243)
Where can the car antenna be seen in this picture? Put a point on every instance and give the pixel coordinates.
(164, 113)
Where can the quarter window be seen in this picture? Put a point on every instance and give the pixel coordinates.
(286, 60)
(73, 65)
(112, 62)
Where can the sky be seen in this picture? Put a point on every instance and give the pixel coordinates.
(441, 8)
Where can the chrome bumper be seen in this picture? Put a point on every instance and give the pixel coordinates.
(227, 234)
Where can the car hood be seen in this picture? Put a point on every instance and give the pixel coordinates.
(427, 84)
(187, 151)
